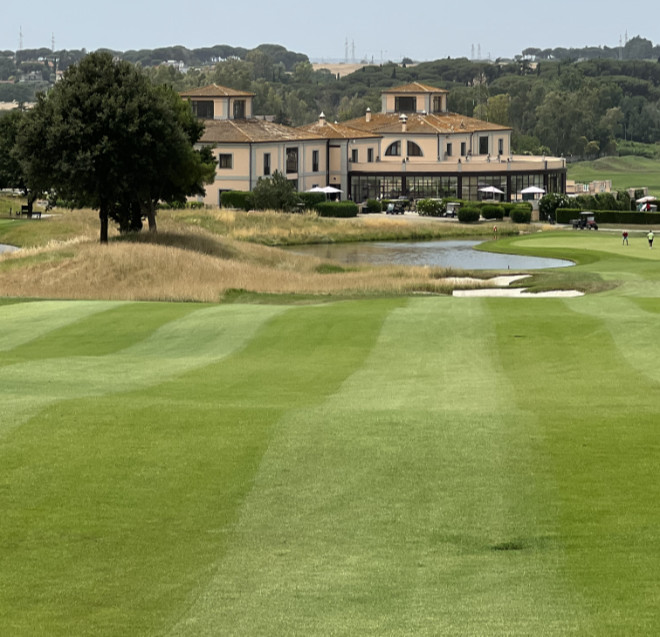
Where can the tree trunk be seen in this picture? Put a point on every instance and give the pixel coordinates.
(31, 198)
(103, 216)
(151, 216)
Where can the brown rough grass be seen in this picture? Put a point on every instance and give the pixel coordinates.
(186, 262)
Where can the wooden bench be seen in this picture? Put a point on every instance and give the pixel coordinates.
(25, 210)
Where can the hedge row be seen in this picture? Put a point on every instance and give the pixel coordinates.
(337, 209)
(238, 199)
(564, 215)
(468, 214)
(520, 215)
(492, 211)
(311, 200)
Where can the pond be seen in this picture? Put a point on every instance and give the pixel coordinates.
(447, 254)
(6, 248)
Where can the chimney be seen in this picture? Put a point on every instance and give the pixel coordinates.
(404, 122)
(322, 119)
(368, 115)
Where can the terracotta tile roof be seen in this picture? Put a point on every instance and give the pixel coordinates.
(415, 87)
(443, 123)
(214, 90)
(337, 131)
(251, 130)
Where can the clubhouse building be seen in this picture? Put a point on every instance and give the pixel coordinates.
(413, 147)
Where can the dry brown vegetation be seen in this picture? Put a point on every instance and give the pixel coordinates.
(197, 256)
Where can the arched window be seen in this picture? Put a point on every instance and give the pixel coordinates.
(414, 150)
(393, 150)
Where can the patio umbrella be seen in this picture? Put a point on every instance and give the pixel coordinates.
(532, 190)
(491, 189)
(646, 199)
(328, 190)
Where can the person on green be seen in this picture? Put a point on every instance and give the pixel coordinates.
(649, 236)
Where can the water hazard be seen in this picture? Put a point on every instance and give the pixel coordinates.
(447, 254)
(6, 248)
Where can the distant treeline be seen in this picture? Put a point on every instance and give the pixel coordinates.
(636, 48)
(578, 108)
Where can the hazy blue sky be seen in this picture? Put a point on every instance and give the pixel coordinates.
(422, 30)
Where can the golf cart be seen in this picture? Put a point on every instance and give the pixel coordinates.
(586, 221)
(397, 206)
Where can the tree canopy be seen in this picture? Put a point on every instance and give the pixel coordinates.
(106, 138)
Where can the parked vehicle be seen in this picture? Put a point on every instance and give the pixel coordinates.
(586, 221)
(398, 206)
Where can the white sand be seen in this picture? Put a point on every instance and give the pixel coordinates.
(495, 287)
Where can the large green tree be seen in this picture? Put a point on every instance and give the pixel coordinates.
(12, 174)
(106, 138)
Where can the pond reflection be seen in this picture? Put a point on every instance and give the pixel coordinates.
(447, 254)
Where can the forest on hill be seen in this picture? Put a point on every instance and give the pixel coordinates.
(582, 104)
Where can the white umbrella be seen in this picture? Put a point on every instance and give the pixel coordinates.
(491, 189)
(532, 190)
(646, 199)
(328, 190)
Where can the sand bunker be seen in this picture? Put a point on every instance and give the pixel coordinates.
(495, 288)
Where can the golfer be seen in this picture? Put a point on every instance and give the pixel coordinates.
(649, 236)
(625, 238)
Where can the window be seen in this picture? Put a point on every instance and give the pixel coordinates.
(414, 150)
(449, 150)
(239, 109)
(393, 150)
(225, 160)
(463, 149)
(483, 146)
(500, 146)
(292, 160)
(354, 155)
(437, 104)
(315, 161)
(370, 155)
(405, 104)
(266, 163)
(203, 109)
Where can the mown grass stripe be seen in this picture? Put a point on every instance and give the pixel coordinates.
(23, 322)
(177, 341)
(597, 407)
(119, 503)
(381, 510)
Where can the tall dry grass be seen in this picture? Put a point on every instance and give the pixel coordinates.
(200, 256)
(194, 265)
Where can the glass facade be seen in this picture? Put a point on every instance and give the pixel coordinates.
(363, 187)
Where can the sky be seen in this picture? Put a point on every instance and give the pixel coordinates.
(379, 31)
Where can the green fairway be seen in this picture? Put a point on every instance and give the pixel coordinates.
(420, 466)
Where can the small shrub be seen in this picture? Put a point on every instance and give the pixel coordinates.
(274, 193)
(468, 214)
(373, 205)
(549, 203)
(520, 215)
(431, 207)
(337, 209)
(492, 211)
(238, 199)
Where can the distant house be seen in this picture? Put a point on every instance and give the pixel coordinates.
(413, 147)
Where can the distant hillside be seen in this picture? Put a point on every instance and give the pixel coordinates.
(625, 172)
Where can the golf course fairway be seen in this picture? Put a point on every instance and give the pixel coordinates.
(397, 466)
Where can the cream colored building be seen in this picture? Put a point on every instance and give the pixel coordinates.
(414, 147)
